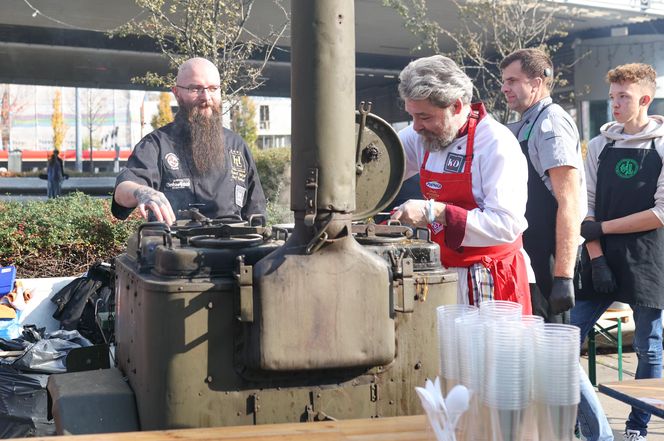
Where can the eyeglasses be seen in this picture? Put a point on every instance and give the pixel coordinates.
(198, 90)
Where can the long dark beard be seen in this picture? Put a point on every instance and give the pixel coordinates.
(203, 138)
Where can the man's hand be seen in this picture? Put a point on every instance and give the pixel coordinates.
(562, 295)
(591, 230)
(415, 212)
(603, 280)
(150, 199)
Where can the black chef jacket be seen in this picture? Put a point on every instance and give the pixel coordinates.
(158, 162)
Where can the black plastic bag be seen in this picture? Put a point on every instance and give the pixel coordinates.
(23, 404)
(23, 396)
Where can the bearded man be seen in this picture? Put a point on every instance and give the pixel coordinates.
(474, 178)
(193, 162)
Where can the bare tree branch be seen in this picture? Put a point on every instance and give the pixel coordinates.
(213, 29)
(487, 31)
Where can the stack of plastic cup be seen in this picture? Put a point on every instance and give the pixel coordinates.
(533, 324)
(507, 389)
(471, 349)
(556, 386)
(447, 337)
(491, 310)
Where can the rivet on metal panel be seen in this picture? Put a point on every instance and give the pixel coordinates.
(180, 288)
(391, 401)
(209, 305)
(418, 365)
(208, 379)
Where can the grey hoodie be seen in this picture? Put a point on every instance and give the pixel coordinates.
(614, 131)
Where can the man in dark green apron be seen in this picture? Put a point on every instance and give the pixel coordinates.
(623, 259)
(556, 204)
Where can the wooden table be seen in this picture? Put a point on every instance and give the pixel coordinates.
(646, 394)
(405, 428)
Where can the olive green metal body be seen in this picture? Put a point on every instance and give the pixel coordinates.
(184, 350)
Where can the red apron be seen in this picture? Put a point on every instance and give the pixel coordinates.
(505, 262)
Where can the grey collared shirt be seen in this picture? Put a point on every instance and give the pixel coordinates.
(553, 141)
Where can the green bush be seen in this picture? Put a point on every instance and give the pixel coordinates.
(60, 237)
(271, 165)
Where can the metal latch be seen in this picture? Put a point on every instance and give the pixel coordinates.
(310, 196)
(404, 284)
(244, 279)
(373, 392)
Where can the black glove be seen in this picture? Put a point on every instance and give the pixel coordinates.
(603, 280)
(562, 295)
(591, 230)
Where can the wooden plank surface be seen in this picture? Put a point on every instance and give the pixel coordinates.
(646, 394)
(406, 428)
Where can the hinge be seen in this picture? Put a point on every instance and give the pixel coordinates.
(310, 196)
(373, 392)
(404, 284)
(255, 404)
(244, 279)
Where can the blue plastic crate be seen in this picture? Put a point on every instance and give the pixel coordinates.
(7, 277)
(11, 328)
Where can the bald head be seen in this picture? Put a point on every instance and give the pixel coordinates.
(197, 66)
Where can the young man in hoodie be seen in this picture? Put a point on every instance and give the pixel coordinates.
(623, 258)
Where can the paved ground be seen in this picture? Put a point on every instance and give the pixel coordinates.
(31, 188)
(607, 370)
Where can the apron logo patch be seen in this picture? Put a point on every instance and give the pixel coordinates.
(436, 227)
(172, 161)
(434, 185)
(178, 184)
(238, 166)
(626, 168)
(454, 163)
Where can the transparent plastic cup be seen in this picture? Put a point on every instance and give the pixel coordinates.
(556, 422)
(500, 310)
(556, 388)
(471, 352)
(557, 365)
(447, 338)
(508, 374)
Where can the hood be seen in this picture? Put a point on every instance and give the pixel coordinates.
(654, 129)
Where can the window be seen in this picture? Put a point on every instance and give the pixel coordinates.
(264, 122)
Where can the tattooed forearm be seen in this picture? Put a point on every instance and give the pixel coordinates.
(145, 195)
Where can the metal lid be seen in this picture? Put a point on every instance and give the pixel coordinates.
(383, 164)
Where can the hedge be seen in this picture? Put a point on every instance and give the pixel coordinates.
(64, 236)
(272, 165)
(60, 237)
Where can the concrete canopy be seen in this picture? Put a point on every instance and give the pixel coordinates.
(65, 42)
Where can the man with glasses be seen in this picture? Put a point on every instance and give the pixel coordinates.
(193, 162)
